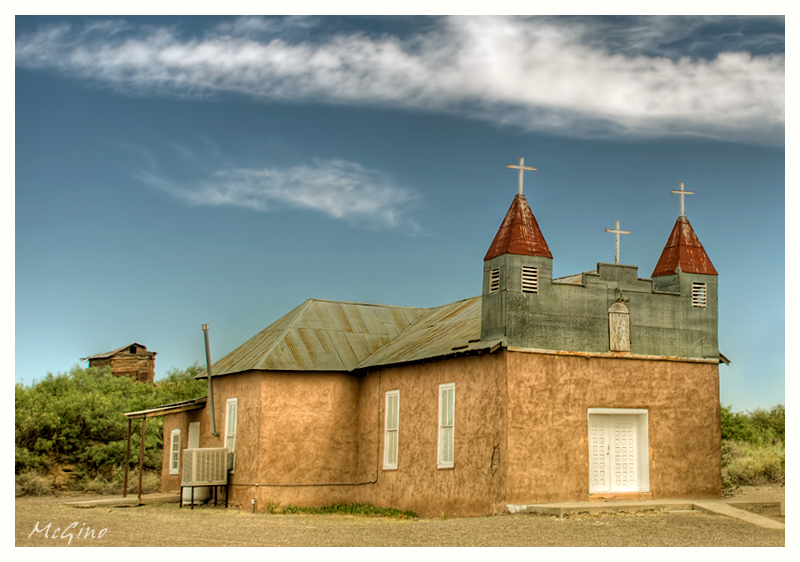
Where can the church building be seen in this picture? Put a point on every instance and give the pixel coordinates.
(596, 386)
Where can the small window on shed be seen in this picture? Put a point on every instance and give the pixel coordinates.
(494, 280)
(530, 279)
(175, 452)
(699, 295)
(132, 349)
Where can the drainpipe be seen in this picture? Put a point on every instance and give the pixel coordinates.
(210, 391)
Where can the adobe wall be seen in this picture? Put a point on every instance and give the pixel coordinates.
(308, 438)
(476, 483)
(548, 401)
(181, 420)
(244, 387)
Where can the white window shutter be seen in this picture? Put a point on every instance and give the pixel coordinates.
(391, 432)
(446, 425)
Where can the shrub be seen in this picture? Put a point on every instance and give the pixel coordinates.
(76, 418)
(31, 483)
(748, 464)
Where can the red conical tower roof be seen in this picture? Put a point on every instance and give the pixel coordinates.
(519, 234)
(683, 252)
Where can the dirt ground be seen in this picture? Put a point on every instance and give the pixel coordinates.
(166, 525)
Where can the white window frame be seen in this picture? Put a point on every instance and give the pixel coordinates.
(231, 422)
(446, 438)
(391, 432)
(175, 454)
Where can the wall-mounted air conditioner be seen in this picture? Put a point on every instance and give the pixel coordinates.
(205, 467)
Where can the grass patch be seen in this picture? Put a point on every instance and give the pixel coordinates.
(31, 483)
(751, 464)
(362, 509)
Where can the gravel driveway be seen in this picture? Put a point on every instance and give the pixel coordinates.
(166, 525)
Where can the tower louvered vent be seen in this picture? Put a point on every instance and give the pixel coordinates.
(530, 279)
(699, 295)
(494, 280)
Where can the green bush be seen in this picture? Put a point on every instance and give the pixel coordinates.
(749, 464)
(753, 450)
(758, 426)
(77, 418)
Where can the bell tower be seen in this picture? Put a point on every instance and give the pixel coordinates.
(517, 265)
(684, 268)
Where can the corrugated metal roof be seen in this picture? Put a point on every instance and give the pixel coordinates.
(186, 405)
(683, 252)
(320, 335)
(110, 353)
(576, 279)
(519, 233)
(445, 330)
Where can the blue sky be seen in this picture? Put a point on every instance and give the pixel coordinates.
(174, 171)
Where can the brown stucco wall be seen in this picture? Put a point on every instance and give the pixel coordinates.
(548, 401)
(474, 486)
(309, 438)
(521, 432)
(244, 387)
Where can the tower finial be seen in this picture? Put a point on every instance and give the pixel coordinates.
(617, 232)
(522, 168)
(682, 192)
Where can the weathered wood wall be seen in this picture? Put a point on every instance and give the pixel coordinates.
(139, 365)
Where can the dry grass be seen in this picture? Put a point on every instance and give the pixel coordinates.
(747, 464)
(167, 525)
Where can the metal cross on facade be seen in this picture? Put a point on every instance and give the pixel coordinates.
(616, 231)
(522, 168)
(682, 192)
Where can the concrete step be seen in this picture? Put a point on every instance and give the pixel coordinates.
(129, 501)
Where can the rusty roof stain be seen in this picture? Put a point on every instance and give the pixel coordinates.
(519, 233)
(683, 253)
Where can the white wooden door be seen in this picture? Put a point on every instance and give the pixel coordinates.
(614, 456)
(194, 435)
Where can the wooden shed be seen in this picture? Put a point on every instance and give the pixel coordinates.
(129, 361)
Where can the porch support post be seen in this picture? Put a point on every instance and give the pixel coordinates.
(141, 459)
(127, 459)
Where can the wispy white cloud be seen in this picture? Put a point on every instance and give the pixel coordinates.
(337, 188)
(535, 74)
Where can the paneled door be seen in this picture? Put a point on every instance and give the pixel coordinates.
(615, 456)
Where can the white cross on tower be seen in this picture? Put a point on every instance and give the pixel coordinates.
(617, 232)
(522, 167)
(682, 192)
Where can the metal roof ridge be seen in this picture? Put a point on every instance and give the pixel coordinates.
(369, 304)
(300, 311)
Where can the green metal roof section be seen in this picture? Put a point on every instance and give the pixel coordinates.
(452, 329)
(320, 335)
